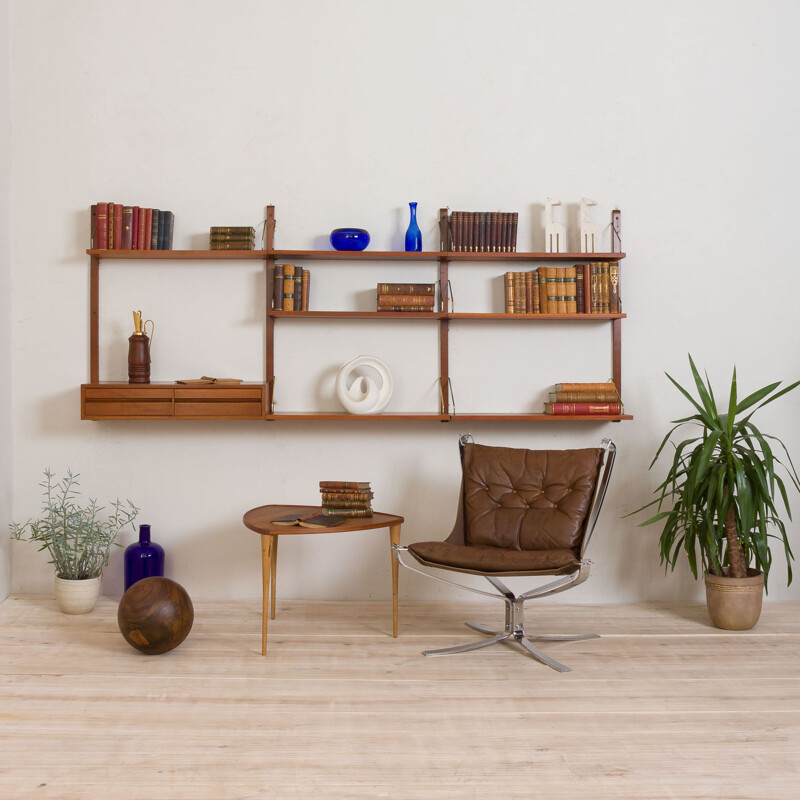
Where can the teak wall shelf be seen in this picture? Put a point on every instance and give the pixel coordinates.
(117, 400)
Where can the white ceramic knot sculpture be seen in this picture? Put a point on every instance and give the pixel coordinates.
(364, 395)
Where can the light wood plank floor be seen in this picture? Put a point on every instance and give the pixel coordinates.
(663, 706)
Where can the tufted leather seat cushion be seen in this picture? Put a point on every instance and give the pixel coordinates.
(529, 500)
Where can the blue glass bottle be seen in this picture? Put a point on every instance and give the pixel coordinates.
(413, 234)
(143, 559)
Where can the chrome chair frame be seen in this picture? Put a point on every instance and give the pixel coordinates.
(514, 629)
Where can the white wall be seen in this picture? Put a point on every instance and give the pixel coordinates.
(684, 115)
(6, 482)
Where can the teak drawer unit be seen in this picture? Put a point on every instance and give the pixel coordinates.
(171, 401)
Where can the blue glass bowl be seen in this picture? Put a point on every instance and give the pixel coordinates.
(349, 239)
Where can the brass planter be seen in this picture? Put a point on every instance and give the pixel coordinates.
(734, 604)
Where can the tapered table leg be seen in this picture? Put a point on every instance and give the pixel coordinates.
(266, 571)
(273, 574)
(394, 538)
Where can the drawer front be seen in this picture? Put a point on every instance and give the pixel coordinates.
(127, 393)
(122, 409)
(220, 408)
(203, 394)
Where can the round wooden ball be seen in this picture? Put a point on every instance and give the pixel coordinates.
(155, 615)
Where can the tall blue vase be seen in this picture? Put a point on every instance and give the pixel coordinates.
(143, 559)
(413, 234)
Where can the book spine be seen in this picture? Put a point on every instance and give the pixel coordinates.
(552, 290)
(514, 220)
(304, 290)
(535, 291)
(135, 229)
(338, 503)
(568, 409)
(543, 290)
(238, 230)
(349, 513)
(585, 387)
(288, 287)
(354, 485)
(126, 234)
(594, 287)
(509, 291)
(101, 234)
(342, 497)
(148, 229)
(570, 289)
(298, 288)
(93, 226)
(168, 233)
(162, 230)
(154, 229)
(604, 287)
(610, 396)
(421, 289)
(561, 290)
(519, 292)
(529, 276)
(231, 237)
(408, 309)
(406, 300)
(614, 305)
(231, 246)
(580, 292)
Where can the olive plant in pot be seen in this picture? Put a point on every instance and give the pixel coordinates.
(77, 537)
(719, 500)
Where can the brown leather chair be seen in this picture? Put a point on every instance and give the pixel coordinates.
(522, 513)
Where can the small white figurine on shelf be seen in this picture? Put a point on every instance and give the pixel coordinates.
(555, 234)
(364, 395)
(590, 237)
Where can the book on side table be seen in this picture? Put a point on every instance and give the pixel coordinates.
(314, 520)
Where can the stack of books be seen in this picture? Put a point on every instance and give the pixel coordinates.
(290, 287)
(406, 297)
(118, 227)
(346, 498)
(483, 231)
(582, 399)
(562, 290)
(232, 238)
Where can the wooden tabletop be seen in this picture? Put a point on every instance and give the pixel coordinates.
(260, 520)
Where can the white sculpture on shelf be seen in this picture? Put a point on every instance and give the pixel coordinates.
(364, 395)
(590, 237)
(555, 234)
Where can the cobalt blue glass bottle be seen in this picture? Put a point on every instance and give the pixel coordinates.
(413, 234)
(143, 559)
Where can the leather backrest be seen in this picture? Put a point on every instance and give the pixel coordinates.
(528, 499)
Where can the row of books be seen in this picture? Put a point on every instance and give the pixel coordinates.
(483, 231)
(290, 287)
(563, 290)
(346, 498)
(406, 296)
(584, 399)
(118, 227)
(232, 238)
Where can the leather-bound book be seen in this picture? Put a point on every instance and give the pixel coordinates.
(581, 409)
(305, 287)
(537, 307)
(148, 230)
(422, 289)
(288, 287)
(126, 236)
(359, 486)
(494, 227)
(241, 230)
(154, 229)
(580, 289)
(110, 238)
(162, 229)
(543, 290)
(277, 288)
(135, 229)
(345, 494)
(608, 386)
(169, 225)
(514, 220)
(101, 233)
(232, 237)
(93, 226)
(570, 289)
(509, 292)
(406, 300)
(298, 288)
(505, 232)
(594, 287)
(604, 287)
(600, 396)
(231, 246)
(349, 513)
(118, 226)
(529, 278)
(614, 305)
(519, 292)
(552, 290)
(561, 290)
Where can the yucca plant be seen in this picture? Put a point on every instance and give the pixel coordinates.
(722, 485)
(78, 538)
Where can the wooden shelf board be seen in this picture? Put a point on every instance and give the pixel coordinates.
(357, 314)
(356, 255)
(540, 317)
(413, 416)
(177, 255)
(170, 384)
(540, 417)
(533, 256)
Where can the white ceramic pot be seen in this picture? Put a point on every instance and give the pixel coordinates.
(77, 597)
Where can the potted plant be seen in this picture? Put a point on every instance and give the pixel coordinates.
(719, 499)
(77, 537)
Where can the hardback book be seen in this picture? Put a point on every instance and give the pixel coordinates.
(346, 495)
(514, 220)
(154, 229)
(543, 290)
(168, 228)
(101, 227)
(426, 301)
(234, 229)
(231, 246)
(405, 309)
(306, 283)
(135, 229)
(614, 305)
(529, 278)
(352, 485)
(570, 289)
(298, 288)
(422, 289)
(231, 237)
(110, 237)
(346, 504)
(118, 226)
(509, 291)
(599, 396)
(594, 287)
(315, 520)
(148, 230)
(535, 291)
(519, 293)
(580, 292)
(126, 235)
(93, 226)
(552, 290)
(604, 287)
(277, 288)
(580, 409)
(288, 287)
(585, 387)
(162, 229)
(350, 512)
(561, 290)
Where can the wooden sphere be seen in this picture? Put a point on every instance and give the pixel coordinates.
(155, 615)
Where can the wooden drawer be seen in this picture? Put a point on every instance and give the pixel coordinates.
(125, 402)
(225, 402)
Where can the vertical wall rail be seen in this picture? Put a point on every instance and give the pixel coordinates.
(444, 323)
(94, 320)
(269, 327)
(616, 358)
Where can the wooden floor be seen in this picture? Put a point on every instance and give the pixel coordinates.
(663, 706)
